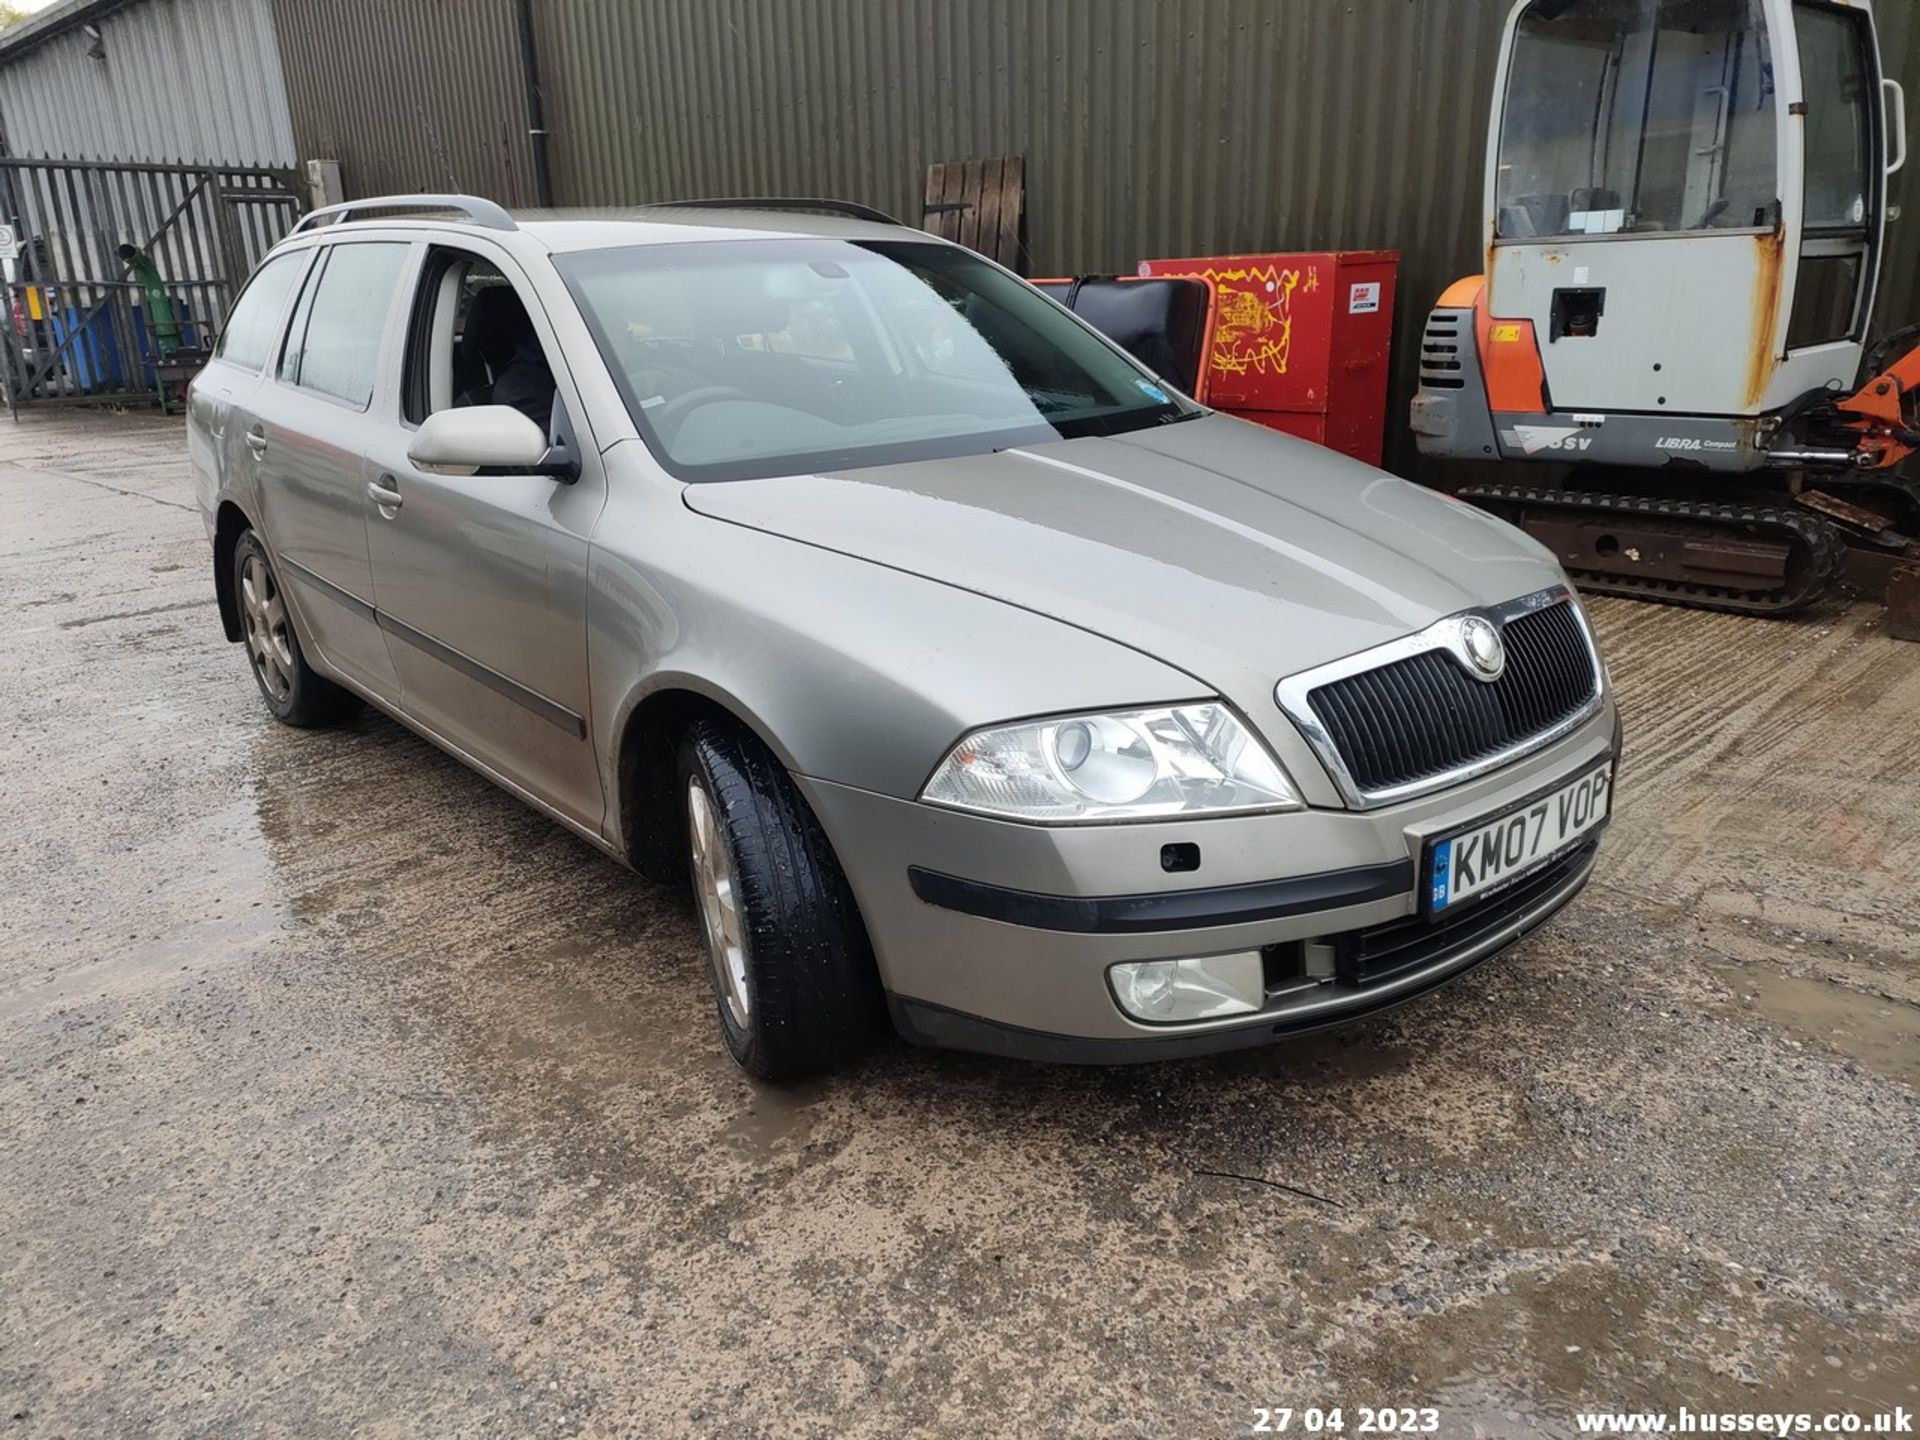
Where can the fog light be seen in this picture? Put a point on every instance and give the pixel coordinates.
(1166, 992)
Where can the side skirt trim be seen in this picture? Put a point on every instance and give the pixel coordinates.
(550, 711)
(327, 588)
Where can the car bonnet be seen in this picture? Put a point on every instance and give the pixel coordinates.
(1227, 551)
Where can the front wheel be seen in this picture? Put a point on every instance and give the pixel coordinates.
(793, 975)
(294, 691)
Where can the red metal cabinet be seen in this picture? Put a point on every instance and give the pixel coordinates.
(1302, 342)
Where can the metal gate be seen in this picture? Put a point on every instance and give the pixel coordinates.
(121, 274)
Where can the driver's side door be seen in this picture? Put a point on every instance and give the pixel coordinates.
(481, 580)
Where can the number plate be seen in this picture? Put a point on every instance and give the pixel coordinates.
(1491, 854)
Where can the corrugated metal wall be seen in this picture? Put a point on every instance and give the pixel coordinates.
(1148, 127)
(410, 95)
(187, 82)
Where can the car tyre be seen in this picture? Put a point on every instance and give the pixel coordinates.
(295, 692)
(793, 975)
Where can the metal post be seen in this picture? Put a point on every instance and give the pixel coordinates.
(323, 184)
(12, 216)
(12, 363)
(536, 113)
(233, 264)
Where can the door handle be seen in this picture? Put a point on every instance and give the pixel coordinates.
(1897, 124)
(257, 440)
(383, 493)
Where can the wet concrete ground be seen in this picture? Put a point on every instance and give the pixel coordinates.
(340, 1093)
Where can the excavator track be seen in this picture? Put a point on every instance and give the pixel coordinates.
(1744, 559)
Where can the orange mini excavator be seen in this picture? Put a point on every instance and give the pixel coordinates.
(1686, 214)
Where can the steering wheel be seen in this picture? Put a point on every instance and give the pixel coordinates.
(638, 349)
(670, 416)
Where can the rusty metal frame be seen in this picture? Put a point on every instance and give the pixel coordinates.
(205, 225)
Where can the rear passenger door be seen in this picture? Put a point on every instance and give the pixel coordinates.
(220, 399)
(310, 433)
(482, 579)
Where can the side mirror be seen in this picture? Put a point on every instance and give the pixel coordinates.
(486, 437)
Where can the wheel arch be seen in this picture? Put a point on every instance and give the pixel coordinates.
(230, 523)
(652, 826)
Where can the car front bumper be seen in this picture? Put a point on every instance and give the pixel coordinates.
(997, 936)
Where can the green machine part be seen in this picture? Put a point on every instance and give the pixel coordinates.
(160, 313)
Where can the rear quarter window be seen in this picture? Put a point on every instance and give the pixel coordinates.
(254, 325)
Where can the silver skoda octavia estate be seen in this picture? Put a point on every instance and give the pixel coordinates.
(979, 682)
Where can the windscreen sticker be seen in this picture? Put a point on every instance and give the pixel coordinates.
(1152, 391)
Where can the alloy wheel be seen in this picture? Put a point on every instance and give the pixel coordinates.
(719, 899)
(263, 613)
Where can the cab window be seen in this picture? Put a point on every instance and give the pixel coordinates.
(333, 345)
(1838, 77)
(1639, 117)
(1836, 72)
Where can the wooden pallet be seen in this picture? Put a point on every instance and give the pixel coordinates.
(981, 204)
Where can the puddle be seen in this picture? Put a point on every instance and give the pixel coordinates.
(1881, 1035)
(1526, 1364)
(1482, 1404)
(770, 1118)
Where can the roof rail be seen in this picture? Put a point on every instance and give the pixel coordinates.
(850, 208)
(480, 212)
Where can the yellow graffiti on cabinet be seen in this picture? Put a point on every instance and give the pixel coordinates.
(1254, 332)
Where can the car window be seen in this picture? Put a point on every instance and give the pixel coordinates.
(769, 357)
(334, 347)
(472, 341)
(289, 367)
(254, 324)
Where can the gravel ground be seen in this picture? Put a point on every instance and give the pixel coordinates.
(340, 1094)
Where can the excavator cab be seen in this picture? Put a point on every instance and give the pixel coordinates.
(1685, 209)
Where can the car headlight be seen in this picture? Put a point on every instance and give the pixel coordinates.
(1120, 765)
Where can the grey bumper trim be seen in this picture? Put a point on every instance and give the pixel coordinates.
(936, 1025)
(1199, 909)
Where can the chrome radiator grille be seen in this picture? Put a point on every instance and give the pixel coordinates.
(1423, 716)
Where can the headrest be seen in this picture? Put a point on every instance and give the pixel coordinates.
(497, 323)
(722, 312)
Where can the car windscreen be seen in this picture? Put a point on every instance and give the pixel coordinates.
(748, 358)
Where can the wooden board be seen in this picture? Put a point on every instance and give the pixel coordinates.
(981, 204)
